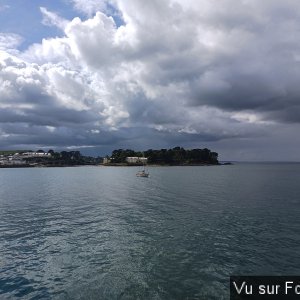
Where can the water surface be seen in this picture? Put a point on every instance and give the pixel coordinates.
(103, 233)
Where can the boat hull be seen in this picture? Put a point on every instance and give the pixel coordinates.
(142, 174)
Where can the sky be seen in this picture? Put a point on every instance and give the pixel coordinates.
(98, 75)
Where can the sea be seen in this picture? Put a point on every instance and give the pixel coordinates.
(103, 233)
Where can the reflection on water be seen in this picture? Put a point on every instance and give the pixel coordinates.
(103, 233)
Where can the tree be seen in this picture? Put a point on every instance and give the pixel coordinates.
(51, 152)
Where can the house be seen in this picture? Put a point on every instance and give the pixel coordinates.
(106, 160)
(136, 160)
(36, 154)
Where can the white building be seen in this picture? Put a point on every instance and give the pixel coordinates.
(36, 154)
(136, 160)
(106, 160)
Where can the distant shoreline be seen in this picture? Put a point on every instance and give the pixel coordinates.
(41, 166)
(158, 165)
(110, 165)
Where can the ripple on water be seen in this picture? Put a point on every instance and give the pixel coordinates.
(103, 233)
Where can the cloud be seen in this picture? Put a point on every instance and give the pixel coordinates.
(9, 41)
(52, 19)
(93, 40)
(173, 72)
(90, 7)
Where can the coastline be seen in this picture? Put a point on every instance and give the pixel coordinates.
(43, 166)
(159, 165)
(110, 165)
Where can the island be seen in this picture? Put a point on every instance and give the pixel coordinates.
(176, 156)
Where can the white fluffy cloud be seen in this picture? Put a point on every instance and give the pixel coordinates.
(52, 19)
(9, 41)
(175, 71)
(89, 7)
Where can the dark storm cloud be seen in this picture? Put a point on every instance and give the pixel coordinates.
(270, 88)
(39, 136)
(171, 73)
(48, 116)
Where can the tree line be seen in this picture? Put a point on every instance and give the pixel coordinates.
(175, 156)
(64, 158)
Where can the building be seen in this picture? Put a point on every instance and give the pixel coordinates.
(36, 154)
(136, 160)
(106, 160)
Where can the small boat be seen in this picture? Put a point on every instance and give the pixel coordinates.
(142, 173)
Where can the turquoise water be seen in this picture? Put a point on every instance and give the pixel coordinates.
(103, 233)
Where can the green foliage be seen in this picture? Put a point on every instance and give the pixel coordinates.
(175, 156)
(119, 156)
(12, 152)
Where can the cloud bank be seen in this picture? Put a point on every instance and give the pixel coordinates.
(171, 73)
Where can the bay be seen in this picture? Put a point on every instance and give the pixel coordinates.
(103, 233)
